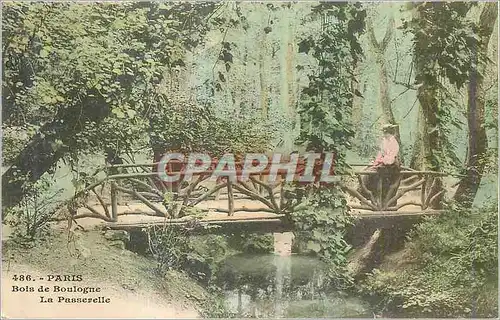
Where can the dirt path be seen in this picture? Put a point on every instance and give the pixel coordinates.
(123, 303)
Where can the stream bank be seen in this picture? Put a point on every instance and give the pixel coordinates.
(125, 277)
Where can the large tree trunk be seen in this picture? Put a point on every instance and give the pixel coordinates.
(385, 97)
(285, 62)
(379, 49)
(416, 161)
(30, 164)
(431, 138)
(264, 72)
(430, 135)
(357, 99)
(478, 142)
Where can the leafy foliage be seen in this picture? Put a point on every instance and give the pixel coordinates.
(82, 77)
(446, 52)
(321, 225)
(31, 217)
(328, 98)
(168, 245)
(453, 271)
(252, 243)
(325, 126)
(179, 249)
(446, 42)
(186, 126)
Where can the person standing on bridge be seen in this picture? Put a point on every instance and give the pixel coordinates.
(386, 163)
(389, 148)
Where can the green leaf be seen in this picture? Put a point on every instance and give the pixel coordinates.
(44, 53)
(119, 113)
(313, 246)
(131, 113)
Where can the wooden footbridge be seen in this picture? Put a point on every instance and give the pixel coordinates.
(131, 196)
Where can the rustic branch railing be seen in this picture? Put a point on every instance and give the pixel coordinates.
(166, 201)
(387, 194)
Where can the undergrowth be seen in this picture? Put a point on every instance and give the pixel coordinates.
(320, 227)
(453, 271)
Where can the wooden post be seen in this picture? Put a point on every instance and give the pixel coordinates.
(218, 192)
(379, 190)
(282, 196)
(422, 193)
(114, 202)
(230, 198)
(391, 192)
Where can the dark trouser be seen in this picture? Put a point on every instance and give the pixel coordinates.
(389, 176)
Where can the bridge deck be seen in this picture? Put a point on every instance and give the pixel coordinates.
(135, 216)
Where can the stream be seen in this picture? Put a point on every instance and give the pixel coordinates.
(267, 285)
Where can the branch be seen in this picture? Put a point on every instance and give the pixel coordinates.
(254, 196)
(402, 191)
(357, 195)
(400, 94)
(187, 190)
(406, 85)
(146, 186)
(249, 187)
(94, 211)
(371, 33)
(160, 183)
(144, 200)
(94, 214)
(404, 204)
(99, 216)
(411, 108)
(388, 33)
(361, 207)
(269, 190)
(245, 209)
(434, 197)
(392, 191)
(230, 198)
(405, 181)
(104, 206)
(429, 191)
(150, 194)
(365, 189)
(208, 194)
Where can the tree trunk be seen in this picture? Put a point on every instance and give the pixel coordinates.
(380, 48)
(263, 74)
(285, 63)
(385, 97)
(357, 101)
(416, 161)
(431, 139)
(29, 165)
(478, 142)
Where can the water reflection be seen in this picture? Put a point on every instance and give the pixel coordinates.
(273, 286)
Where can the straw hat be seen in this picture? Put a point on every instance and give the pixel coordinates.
(389, 126)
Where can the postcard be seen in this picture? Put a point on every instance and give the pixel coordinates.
(274, 159)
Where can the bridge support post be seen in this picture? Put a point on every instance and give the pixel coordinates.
(283, 243)
(114, 202)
